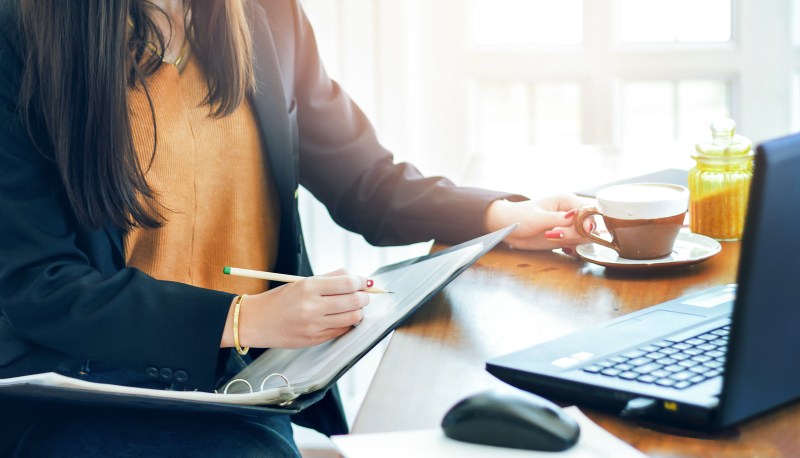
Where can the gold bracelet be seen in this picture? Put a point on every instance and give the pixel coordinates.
(236, 307)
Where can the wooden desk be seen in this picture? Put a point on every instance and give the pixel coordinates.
(512, 299)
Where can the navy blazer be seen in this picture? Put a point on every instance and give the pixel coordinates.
(66, 295)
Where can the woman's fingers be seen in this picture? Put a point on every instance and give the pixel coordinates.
(330, 333)
(333, 305)
(335, 283)
(345, 319)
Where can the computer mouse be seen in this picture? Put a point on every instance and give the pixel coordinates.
(514, 419)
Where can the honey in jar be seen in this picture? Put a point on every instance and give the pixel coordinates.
(719, 183)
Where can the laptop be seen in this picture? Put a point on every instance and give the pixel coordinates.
(704, 361)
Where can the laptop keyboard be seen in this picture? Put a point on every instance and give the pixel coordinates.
(670, 363)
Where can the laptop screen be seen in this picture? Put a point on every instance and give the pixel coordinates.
(763, 370)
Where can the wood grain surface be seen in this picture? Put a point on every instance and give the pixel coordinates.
(513, 299)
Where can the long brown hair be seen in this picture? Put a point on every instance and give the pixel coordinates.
(82, 57)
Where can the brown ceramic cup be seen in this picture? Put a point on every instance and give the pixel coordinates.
(643, 218)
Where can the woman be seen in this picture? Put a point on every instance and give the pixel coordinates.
(145, 144)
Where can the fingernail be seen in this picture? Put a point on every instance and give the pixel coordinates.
(554, 234)
(570, 213)
(591, 227)
(370, 283)
(568, 251)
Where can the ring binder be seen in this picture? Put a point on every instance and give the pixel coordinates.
(261, 388)
(288, 384)
(237, 380)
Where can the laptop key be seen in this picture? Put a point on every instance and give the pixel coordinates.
(674, 368)
(693, 351)
(611, 372)
(668, 351)
(680, 356)
(682, 384)
(660, 373)
(655, 355)
(634, 354)
(593, 369)
(646, 378)
(648, 368)
(605, 364)
(708, 346)
(665, 382)
(697, 379)
(695, 341)
(623, 367)
(639, 361)
(688, 363)
(667, 361)
(715, 353)
(662, 344)
(701, 358)
(618, 359)
(685, 375)
(700, 369)
(649, 348)
(628, 375)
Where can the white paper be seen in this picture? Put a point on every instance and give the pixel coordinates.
(273, 396)
(594, 442)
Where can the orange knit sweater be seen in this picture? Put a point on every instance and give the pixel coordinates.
(210, 175)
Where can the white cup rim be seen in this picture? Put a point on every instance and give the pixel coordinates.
(643, 205)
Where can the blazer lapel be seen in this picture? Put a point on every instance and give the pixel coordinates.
(270, 105)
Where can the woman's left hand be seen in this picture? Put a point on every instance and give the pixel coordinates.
(543, 224)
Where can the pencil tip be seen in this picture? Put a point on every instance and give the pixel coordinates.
(226, 270)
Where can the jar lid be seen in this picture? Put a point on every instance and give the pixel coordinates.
(724, 140)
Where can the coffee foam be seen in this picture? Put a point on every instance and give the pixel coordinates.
(643, 200)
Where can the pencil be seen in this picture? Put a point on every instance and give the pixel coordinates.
(272, 276)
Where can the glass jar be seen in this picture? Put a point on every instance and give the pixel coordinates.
(719, 183)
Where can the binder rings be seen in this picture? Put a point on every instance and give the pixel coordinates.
(283, 380)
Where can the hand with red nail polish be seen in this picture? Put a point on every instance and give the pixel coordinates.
(554, 234)
(541, 224)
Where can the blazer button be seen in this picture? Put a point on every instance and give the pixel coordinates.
(165, 374)
(151, 372)
(181, 376)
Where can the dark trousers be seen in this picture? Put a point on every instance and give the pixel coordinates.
(30, 428)
(71, 431)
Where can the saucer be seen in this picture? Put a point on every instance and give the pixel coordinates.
(689, 249)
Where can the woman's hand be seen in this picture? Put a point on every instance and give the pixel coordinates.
(543, 224)
(302, 314)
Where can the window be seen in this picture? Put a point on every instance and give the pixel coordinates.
(460, 86)
(675, 21)
(671, 110)
(525, 22)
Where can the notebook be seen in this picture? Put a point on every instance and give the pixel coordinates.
(284, 380)
(707, 360)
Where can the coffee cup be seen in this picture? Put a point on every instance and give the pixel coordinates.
(643, 219)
